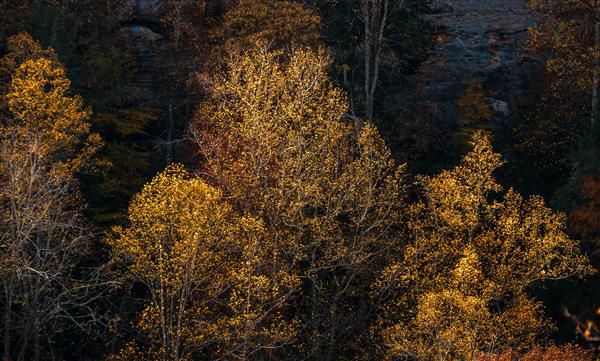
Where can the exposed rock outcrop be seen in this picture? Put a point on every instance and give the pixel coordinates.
(141, 26)
(477, 40)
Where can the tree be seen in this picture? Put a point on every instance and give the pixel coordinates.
(45, 140)
(552, 353)
(211, 288)
(569, 31)
(551, 126)
(273, 134)
(561, 115)
(20, 48)
(460, 287)
(274, 24)
(38, 100)
(178, 54)
(44, 239)
(375, 15)
(95, 44)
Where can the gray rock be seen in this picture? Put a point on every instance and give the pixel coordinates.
(477, 40)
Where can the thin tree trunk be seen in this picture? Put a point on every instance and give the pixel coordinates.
(375, 15)
(170, 126)
(36, 344)
(332, 331)
(24, 347)
(377, 58)
(314, 309)
(7, 324)
(595, 79)
(367, 49)
(165, 354)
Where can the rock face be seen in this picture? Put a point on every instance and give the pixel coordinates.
(141, 27)
(481, 41)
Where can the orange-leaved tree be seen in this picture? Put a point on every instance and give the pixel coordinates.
(274, 135)
(45, 139)
(272, 23)
(460, 286)
(211, 287)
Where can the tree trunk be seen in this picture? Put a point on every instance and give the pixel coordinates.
(332, 332)
(375, 14)
(170, 126)
(7, 324)
(367, 49)
(595, 79)
(36, 345)
(24, 348)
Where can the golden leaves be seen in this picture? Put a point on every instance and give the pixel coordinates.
(274, 135)
(273, 24)
(205, 267)
(467, 269)
(39, 102)
(566, 31)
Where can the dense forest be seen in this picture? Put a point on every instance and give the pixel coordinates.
(300, 180)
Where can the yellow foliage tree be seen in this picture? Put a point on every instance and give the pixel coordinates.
(19, 49)
(569, 31)
(460, 285)
(212, 290)
(38, 100)
(44, 139)
(272, 23)
(274, 134)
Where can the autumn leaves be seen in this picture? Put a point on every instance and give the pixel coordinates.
(465, 272)
(45, 139)
(206, 271)
(304, 244)
(296, 239)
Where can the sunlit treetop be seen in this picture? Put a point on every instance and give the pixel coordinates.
(39, 100)
(273, 24)
(275, 134)
(19, 49)
(460, 287)
(208, 270)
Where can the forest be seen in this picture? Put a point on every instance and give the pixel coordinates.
(319, 180)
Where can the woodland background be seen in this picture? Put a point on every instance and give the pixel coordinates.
(274, 180)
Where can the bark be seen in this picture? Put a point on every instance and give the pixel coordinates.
(332, 332)
(36, 345)
(171, 120)
(367, 22)
(595, 79)
(170, 126)
(375, 14)
(7, 323)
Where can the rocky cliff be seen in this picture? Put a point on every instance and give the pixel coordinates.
(476, 40)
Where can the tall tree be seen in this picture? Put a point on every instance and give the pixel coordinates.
(96, 45)
(569, 31)
(460, 287)
(375, 15)
(273, 133)
(45, 141)
(212, 289)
